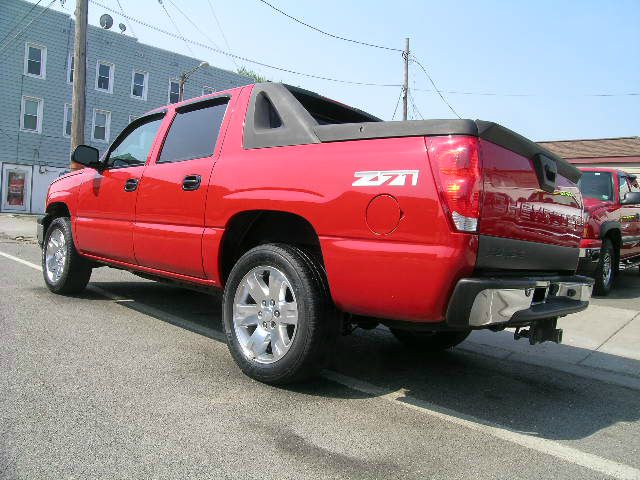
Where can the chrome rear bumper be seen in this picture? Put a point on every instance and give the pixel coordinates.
(482, 302)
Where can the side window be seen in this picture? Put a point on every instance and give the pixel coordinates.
(623, 185)
(133, 147)
(633, 183)
(193, 133)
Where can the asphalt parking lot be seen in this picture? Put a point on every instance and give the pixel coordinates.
(131, 380)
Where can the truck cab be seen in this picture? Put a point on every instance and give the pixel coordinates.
(611, 237)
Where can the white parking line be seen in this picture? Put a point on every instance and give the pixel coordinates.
(542, 445)
(19, 260)
(399, 398)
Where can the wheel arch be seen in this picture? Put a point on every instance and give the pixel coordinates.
(55, 210)
(251, 228)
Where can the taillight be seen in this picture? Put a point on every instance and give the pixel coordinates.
(456, 168)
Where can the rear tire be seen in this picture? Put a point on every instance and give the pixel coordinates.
(430, 341)
(605, 271)
(64, 270)
(278, 317)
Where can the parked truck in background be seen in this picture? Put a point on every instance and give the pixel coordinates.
(315, 217)
(611, 238)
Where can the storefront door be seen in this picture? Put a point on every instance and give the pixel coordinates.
(16, 188)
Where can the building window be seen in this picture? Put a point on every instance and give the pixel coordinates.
(101, 125)
(139, 82)
(174, 91)
(35, 60)
(31, 115)
(208, 90)
(104, 76)
(132, 118)
(70, 68)
(66, 131)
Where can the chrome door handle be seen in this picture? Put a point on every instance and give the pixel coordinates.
(131, 185)
(191, 182)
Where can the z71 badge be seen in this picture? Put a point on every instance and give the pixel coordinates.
(375, 178)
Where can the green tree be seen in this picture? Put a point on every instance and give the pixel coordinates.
(245, 72)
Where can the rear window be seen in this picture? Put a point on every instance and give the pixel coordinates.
(193, 132)
(327, 112)
(598, 185)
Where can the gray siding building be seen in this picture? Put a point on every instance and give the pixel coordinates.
(125, 78)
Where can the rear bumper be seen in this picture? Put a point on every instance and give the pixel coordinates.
(482, 302)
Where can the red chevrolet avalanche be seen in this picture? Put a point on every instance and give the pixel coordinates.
(315, 217)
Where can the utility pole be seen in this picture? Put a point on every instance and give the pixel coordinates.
(405, 85)
(184, 76)
(78, 97)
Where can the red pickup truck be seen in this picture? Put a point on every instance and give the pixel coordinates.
(316, 217)
(611, 238)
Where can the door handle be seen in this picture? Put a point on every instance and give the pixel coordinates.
(191, 182)
(131, 185)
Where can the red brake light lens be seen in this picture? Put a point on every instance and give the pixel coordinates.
(456, 168)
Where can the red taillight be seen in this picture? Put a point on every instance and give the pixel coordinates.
(456, 168)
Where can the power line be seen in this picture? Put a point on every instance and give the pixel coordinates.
(20, 21)
(414, 60)
(339, 37)
(320, 77)
(10, 41)
(194, 24)
(130, 26)
(224, 37)
(397, 103)
(175, 25)
(239, 57)
(414, 106)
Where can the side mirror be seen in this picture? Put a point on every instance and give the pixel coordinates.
(87, 156)
(631, 198)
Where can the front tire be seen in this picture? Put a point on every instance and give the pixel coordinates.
(64, 270)
(278, 318)
(429, 342)
(605, 271)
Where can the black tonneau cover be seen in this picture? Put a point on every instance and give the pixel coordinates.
(300, 128)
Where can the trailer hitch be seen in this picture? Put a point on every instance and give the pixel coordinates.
(540, 331)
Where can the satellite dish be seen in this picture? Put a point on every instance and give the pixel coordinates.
(122, 27)
(106, 21)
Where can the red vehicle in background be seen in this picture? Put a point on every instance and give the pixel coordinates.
(611, 239)
(315, 217)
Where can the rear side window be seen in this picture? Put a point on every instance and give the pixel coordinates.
(327, 112)
(598, 185)
(194, 133)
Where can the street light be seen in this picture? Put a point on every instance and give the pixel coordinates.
(184, 76)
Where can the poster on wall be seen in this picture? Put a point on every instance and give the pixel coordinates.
(16, 188)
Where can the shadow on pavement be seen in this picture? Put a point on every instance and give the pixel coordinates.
(527, 398)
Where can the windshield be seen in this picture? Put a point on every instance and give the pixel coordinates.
(596, 185)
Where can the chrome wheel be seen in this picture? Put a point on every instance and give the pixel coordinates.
(55, 255)
(607, 268)
(265, 314)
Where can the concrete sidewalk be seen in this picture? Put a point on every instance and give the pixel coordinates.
(602, 338)
(18, 227)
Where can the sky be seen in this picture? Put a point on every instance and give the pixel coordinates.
(535, 67)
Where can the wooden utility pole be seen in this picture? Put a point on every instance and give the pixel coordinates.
(78, 97)
(405, 85)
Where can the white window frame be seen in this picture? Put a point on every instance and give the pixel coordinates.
(65, 118)
(173, 80)
(43, 60)
(145, 87)
(207, 87)
(112, 69)
(69, 61)
(107, 127)
(40, 101)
